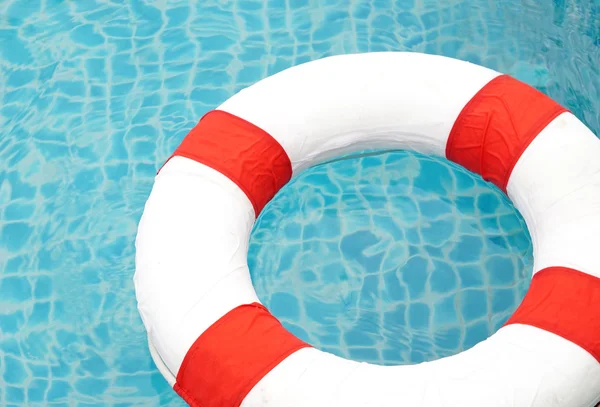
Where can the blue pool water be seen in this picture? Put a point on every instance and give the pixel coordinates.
(392, 258)
(389, 258)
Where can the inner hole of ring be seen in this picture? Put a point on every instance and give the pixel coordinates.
(391, 257)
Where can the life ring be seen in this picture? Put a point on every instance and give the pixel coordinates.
(219, 347)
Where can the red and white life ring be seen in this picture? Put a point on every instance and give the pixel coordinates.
(218, 347)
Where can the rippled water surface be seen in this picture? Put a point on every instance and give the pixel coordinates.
(389, 258)
(393, 258)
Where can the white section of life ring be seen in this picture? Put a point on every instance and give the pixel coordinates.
(510, 369)
(345, 103)
(556, 187)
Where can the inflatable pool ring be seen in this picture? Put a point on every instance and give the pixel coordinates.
(219, 347)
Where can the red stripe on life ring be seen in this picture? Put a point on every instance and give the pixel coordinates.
(241, 151)
(497, 125)
(565, 302)
(232, 356)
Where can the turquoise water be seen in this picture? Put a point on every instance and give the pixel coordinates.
(352, 255)
(391, 259)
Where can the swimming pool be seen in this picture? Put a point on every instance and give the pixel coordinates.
(97, 94)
